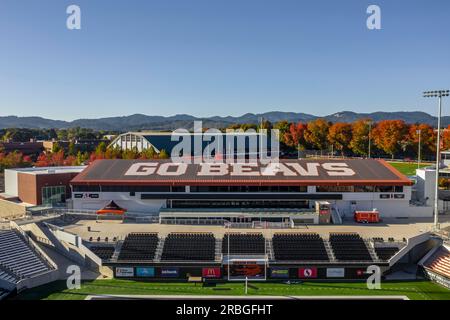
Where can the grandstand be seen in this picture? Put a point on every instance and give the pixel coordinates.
(103, 252)
(139, 247)
(189, 247)
(299, 247)
(241, 244)
(440, 262)
(349, 247)
(17, 259)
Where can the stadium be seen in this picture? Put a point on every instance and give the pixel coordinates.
(159, 228)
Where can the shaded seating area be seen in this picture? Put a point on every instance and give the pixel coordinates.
(189, 246)
(349, 247)
(103, 252)
(299, 247)
(385, 253)
(237, 243)
(440, 262)
(112, 208)
(18, 258)
(139, 247)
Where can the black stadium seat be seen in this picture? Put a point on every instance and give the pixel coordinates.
(139, 247)
(103, 252)
(349, 247)
(189, 247)
(385, 253)
(236, 243)
(299, 247)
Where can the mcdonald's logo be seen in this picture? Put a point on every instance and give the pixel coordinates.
(211, 272)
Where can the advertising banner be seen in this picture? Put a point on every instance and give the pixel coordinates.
(145, 272)
(124, 272)
(281, 273)
(307, 272)
(335, 272)
(211, 272)
(171, 272)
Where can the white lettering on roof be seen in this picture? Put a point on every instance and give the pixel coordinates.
(288, 169)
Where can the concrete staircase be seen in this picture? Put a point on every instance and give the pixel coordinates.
(159, 250)
(329, 250)
(371, 249)
(218, 250)
(117, 249)
(269, 250)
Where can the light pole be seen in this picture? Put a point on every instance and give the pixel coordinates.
(418, 152)
(437, 94)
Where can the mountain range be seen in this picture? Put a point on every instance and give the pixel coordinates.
(146, 122)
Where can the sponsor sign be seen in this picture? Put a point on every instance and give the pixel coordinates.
(279, 273)
(124, 272)
(335, 272)
(308, 272)
(385, 196)
(170, 272)
(211, 272)
(145, 272)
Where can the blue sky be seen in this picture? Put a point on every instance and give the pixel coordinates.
(229, 57)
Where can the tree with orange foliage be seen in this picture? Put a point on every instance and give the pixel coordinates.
(295, 135)
(427, 138)
(390, 136)
(316, 133)
(359, 143)
(445, 139)
(340, 135)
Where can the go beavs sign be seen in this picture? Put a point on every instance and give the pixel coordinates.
(287, 169)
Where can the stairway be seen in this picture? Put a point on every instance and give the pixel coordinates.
(218, 250)
(117, 249)
(269, 250)
(329, 250)
(371, 249)
(159, 250)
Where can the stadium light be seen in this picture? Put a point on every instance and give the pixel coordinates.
(437, 94)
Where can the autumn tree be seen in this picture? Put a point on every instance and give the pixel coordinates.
(340, 135)
(427, 138)
(316, 133)
(389, 135)
(359, 143)
(295, 136)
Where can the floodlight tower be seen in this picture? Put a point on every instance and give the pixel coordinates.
(437, 94)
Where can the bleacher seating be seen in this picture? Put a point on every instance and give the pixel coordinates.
(349, 247)
(103, 252)
(139, 247)
(189, 246)
(299, 247)
(241, 244)
(8, 275)
(18, 258)
(385, 253)
(440, 262)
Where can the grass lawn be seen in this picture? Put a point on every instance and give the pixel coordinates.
(407, 168)
(418, 290)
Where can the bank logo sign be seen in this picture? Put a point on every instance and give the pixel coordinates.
(308, 272)
(170, 272)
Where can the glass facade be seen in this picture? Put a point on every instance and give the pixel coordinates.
(53, 195)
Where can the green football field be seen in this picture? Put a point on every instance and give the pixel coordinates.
(407, 168)
(418, 290)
